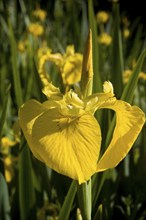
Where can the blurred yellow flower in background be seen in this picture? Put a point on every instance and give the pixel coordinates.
(69, 64)
(36, 29)
(6, 143)
(142, 75)
(8, 159)
(105, 39)
(8, 166)
(40, 13)
(126, 33)
(102, 16)
(22, 46)
(127, 73)
(71, 68)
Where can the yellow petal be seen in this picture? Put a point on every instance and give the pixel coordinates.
(93, 102)
(71, 71)
(69, 145)
(52, 92)
(72, 98)
(108, 87)
(70, 50)
(129, 122)
(27, 116)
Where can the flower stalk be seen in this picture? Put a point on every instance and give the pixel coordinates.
(84, 190)
(85, 202)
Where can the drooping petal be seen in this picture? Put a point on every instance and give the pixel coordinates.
(129, 122)
(69, 145)
(28, 113)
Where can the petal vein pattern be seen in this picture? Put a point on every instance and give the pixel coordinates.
(69, 145)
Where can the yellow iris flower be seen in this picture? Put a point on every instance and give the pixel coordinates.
(63, 133)
(69, 65)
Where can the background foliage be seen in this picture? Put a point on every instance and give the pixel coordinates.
(29, 189)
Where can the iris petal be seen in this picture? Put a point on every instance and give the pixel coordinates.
(27, 116)
(68, 145)
(129, 122)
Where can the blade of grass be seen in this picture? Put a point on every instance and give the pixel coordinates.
(98, 214)
(136, 44)
(26, 189)
(4, 110)
(84, 26)
(97, 180)
(97, 84)
(16, 76)
(4, 199)
(129, 89)
(117, 53)
(66, 208)
(24, 12)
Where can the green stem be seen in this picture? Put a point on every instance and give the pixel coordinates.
(84, 197)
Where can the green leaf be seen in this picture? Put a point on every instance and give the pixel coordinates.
(24, 11)
(26, 189)
(117, 53)
(98, 180)
(98, 215)
(4, 200)
(137, 43)
(97, 84)
(16, 75)
(4, 110)
(67, 205)
(129, 89)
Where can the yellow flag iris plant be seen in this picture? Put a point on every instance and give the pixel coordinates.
(63, 133)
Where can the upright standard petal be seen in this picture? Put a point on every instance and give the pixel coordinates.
(129, 122)
(69, 145)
